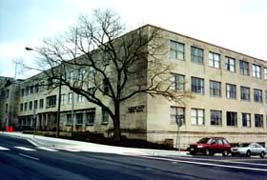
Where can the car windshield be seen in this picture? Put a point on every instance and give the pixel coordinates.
(243, 145)
(203, 140)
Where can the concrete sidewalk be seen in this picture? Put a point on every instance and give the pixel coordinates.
(78, 146)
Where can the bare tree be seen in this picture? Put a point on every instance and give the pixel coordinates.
(96, 61)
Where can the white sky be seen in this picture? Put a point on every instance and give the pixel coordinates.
(239, 25)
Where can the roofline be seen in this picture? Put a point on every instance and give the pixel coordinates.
(163, 29)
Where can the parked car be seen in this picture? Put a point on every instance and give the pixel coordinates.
(249, 149)
(210, 146)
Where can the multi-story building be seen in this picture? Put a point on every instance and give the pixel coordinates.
(228, 89)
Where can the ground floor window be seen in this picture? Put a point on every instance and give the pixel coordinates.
(215, 117)
(79, 119)
(258, 120)
(231, 118)
(246, 120)
(90, 117)
(176, 113)
(197, 116)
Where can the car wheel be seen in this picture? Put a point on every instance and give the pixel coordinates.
(225, 153)
(208, 152)
(262, 154)
(248, 154)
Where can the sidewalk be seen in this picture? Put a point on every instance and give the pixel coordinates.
(78, 146)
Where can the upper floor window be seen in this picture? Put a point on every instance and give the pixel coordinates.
(62, 97)
(244, 68)
(215, 117)
(41, 103)
(256, 71)
(230, 64)
(176, 112)
(197, 116)
(231, 118)
(30, 105)
(197, 85)
(35, 104)
(215, 88)
(197, 55)
(246, 120)
(258, 120)
(245, 93)
(22, 92)
(214, 60)
(105, 117)
(105, 86)
(80, 98)
(51, 101)
(177, 82)
(21, 107)
(257, 95)
(265, 73)
(230, 91)
(176, 50)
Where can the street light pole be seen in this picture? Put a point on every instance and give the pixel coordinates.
(59, 106)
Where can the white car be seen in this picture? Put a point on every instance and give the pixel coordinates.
(249, 149)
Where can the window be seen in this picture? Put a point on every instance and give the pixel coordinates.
(105, 117)
(51, 101)
(197, 55)
(79, 119)
(245, 93)
(231, 91)
(22, 92)
(215, 88)
(266, 96)
(256, 71)
(105, 86)
(69, 120)
(35, 104)
(246, 120)
(176, 112)
(244, 68)
(265, 73)
(62, 101)
(197, 116)
(214, 60)
(90, 117)
(215, 117)
(80, 98)
(231, 118)
(258, 120)
(30, 105)
(70, 98)
(197, 85)
(230, 64)
(31, 89)
(6, 108)
(257, 95)
(25, 106)
(41, 103)
(176, 50)
(21, 107)
(177, 82)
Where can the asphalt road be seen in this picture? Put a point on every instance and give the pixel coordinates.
(21, 160)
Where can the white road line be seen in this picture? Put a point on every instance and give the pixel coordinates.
(47, 149)
(24, 148)
(208, 164)
(30, 157)
(4, 148)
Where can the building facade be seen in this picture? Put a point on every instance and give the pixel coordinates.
(228, 89)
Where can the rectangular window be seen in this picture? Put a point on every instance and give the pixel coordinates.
(176, 50)
(80, 98)
(197, 85)
(79, 119)
(21, 107)
(230, 64)
(231, 118)
(197, 55)
(258, 120)
(35, 104)
(105, 86)
(41, 103)
(215, 118)
(177, 82)
(245, 93)
(70, 98)
(214, 60)
(265, 73)
(197, 116)
(177, 113)
(105, 117)
(25, 106)
(30, 105)
(246, 120)
(256, 71)
(230, 91)
(62, 99)
(90, 117)
(51, 101)
(257, 95)
(69, 120)
(244, 68)
(215, 88)
(22, 92)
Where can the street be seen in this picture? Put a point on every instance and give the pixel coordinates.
(19, 159)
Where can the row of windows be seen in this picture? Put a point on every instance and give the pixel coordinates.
(198, 117)
(177, 51)
(215, 88)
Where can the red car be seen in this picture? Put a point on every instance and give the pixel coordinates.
(210, 146)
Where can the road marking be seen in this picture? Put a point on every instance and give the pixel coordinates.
(207, 164)
(47, 149)
(4, 148)
(24, 148)
(30, 157)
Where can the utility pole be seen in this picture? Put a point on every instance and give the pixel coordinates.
(179, 123)
(59, 105)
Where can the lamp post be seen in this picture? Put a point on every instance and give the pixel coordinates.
(179, 123)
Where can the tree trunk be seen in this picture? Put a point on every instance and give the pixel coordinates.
(117, 128)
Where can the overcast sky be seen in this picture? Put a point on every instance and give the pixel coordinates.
(239, 25)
